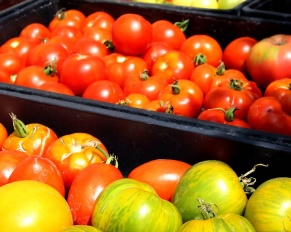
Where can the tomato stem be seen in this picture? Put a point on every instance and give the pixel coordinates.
(229, 114)
(236, 84)
(144, 75)
(109, 45)
(176, 88)
(51, 68)
(182, 25)
(19, 127)
(200, 59)
(220, 70)
(61, 14)
(247, 181)
(206, 210)
(111, 159)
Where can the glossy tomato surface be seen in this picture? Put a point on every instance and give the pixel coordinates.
(32, 206)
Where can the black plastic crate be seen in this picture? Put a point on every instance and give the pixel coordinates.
(137, 136)
(269, 9)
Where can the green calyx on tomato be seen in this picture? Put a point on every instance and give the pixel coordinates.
(51, 68)
(19, 127)
(182, 25)
(236, 84)
(200, 59)
(176, 88)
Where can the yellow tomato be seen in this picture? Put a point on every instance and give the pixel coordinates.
(207, 4)
(151, 1)
(229, 4)
(32, 206)
(182, 2)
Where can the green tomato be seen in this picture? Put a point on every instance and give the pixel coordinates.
(207, 4)
(213, 181)
(225, 222)
(269, 207)
(81, 228)
(130, 205)
(229, 4)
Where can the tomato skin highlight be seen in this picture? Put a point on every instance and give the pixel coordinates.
(276, 210)
(213, 181)
(162, 174)
(145, 210)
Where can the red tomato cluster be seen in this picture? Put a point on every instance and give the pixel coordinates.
(153, 66)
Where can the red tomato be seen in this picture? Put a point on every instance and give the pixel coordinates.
(269, 60)
(131, 34)
(3, 135)
(159, 106)
(145, 84)
(46, 53)
(281, 90)
(32, 138)
(64, 41)
(99, 19)
(236, 52)
(154, 51)
(99, 34)
(162, 174)
(166, 31)
(266, 114)
(8, 161)
(185, 97)
(120, 67)
(222, 116)
(104, 90)
(205, 45)
(70, 17)
(80, 70)
(136, 100)
(18, 45)
(173, 65)
(233, 93)
(89, 46)
(40, 169)
(10, 65)
(35, 31)
(73, 152)
(86, 187)
(33, 76)
(71, 33)
(56, 87)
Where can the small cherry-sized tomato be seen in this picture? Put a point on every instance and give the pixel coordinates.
(73, 152)
(171, 33)
(8, 161)
(173, 65)
(87, 186)
(162, 174)
(35, 31)
(281, 90)
(266, 114)
(90, 46)
(56, 87)
(105, 91)
(99, 19)
(71, 33)
(205, 45)
(150, 86)
(185, 97)
(40, 169)
(136, 100)
(79, 70)
(33, 138)
(222, 116)
(131, 34)
(235, 53)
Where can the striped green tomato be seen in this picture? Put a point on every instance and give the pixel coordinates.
(213, 181)
(225, 222)
(81, 228)
(269, 207)
(130, 205)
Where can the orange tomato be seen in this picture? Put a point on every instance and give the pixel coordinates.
(3, 135)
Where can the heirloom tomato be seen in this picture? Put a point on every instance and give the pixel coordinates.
(73, 152)
(79, 70)
(34, 75)
(32, 206)
(10, 65)
(266, 114)
(226, 222)
(99, 19)
(205, 45)
(40, 169)
(145, 210)
(173, 65)
(87, 186)
(223, 116)
(35, 31)
(81, 228)
(3, 135)
(33, 138)
(105, 91)
(269, 207)
(145, 84)
(185, 97)
(269, 59)
(8, 161)
(171, 33)
(131, 34)
(233, 93)
(72, 17)
(281, 90)
(235, 53)
(213, 181)
(162, 174)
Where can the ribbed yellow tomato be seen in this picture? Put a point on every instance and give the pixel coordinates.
(32, 206)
